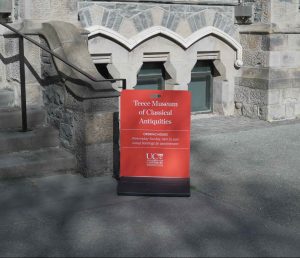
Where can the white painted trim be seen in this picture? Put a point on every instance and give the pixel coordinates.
(155, 57)
(156, 30)
(208, 55)
(101, 59)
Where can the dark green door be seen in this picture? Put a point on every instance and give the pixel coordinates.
(201, 88)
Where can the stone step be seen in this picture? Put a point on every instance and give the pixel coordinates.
(41, 162)
(14, 141)
(12, 118)
(6, 98)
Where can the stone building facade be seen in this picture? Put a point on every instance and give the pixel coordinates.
(253, 65)
(237, 57)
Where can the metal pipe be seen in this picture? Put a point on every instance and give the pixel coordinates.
(124, 84)
(23, 84)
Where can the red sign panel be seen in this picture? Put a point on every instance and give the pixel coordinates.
(155, 134)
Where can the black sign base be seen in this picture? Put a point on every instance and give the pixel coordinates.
(145, 186)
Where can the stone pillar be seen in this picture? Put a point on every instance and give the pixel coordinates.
(93, 135)
(88, 129)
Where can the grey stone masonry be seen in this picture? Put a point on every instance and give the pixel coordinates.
(145, 15)
(261, 10)
(272, 66)
(86, 128)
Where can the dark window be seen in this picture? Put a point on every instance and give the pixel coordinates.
(102, 69)
(151, 77)
(201, 87)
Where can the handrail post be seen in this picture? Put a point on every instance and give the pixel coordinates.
(23, 84)
(124, 84)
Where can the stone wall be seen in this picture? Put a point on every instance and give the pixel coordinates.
(131, 19)
(87, 128)
(125, 34)
(268, 85)
(284, 76)
(285, 14)
(251, 86)
(46, 10)
(11, 69)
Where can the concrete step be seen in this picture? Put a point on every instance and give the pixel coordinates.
(6, 98)
(14, 141)
(41, 162)
(12, 118)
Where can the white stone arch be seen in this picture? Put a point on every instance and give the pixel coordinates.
(133, 42)
(181, 54)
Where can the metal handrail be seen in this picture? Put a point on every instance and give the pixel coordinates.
(22, 71)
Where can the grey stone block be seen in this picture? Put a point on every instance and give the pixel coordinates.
(278, 42)
(105, 18)
(175, 23)
(274, 97)
(117, 23)
(99, 160)
(144, 7)
(7, 98)
(255, 42)
(255, 58)
(296, 83)
(251, 96)
(170, 21)
(99, 127)
(11, 117)
(241, 94)
(192, 24)
(276, 112)
(165, 19)
(251, 111)
(297, 110)
(217, 20)
(146, 20)
(36, 163)
(280, 83)
(195, 8)
(66, 134)
(290, 111)
(258, 97)
(111, 19)
(200, 20)
(108, 5)
(88, 18)
(252, 83)
(128, 10)
(14, 141)
(178, 8)
(137, 23)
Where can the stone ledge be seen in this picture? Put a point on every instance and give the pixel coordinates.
(193, 2)
(263, 28)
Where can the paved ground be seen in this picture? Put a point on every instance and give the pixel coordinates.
(245, 202)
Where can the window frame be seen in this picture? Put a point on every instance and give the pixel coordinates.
(160, 77)
(208, 76)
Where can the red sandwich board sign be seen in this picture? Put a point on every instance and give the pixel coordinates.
(155, 143)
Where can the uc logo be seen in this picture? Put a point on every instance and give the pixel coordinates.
(154, 156)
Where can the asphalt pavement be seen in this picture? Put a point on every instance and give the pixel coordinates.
(245, 181)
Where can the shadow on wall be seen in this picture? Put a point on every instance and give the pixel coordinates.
(42, 81)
